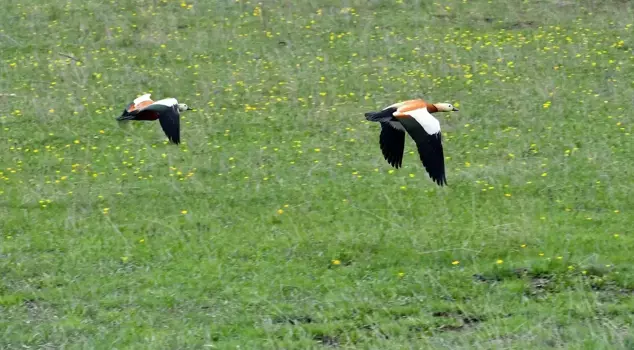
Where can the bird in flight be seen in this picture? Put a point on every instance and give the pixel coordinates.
(167, 111)
(414, 117)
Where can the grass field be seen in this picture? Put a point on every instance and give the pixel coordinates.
(277, 223)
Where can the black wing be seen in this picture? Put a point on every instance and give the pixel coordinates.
(171, 124)
(392, 144)
(169, 117)
(429, 149)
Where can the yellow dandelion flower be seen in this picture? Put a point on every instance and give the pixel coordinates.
(499, 261)
(336, 262)
(183, 212)
(280, 211)
(455, 262)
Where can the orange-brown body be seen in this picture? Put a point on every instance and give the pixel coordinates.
(145, 115)
(411, 105)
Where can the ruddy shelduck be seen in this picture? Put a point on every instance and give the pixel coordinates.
(167, 111)
(414, 117)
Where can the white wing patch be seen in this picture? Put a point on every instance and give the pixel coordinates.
(169, 102)
(426, 120)
(142, 98)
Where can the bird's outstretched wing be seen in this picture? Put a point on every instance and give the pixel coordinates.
(429, 149)
(169, 117)
(392, 143)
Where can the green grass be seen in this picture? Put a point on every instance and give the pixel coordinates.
(277, 223)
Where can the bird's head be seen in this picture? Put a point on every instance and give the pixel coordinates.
(183, 107)
(445, 107)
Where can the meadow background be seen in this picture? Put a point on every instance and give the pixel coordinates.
(277, 223)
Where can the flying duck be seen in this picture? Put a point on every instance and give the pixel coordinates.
(413, 116)
(167, 111)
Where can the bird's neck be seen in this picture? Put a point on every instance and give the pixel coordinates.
(431, 108)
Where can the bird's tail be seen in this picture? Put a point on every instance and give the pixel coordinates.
(370, 115)
(125, 116)
(381, 116)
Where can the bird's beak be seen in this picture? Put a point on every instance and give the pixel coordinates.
(455, 109)
(189, 108)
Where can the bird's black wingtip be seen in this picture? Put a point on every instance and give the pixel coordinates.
(439, 179)
(441, 182)
(393, 163)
